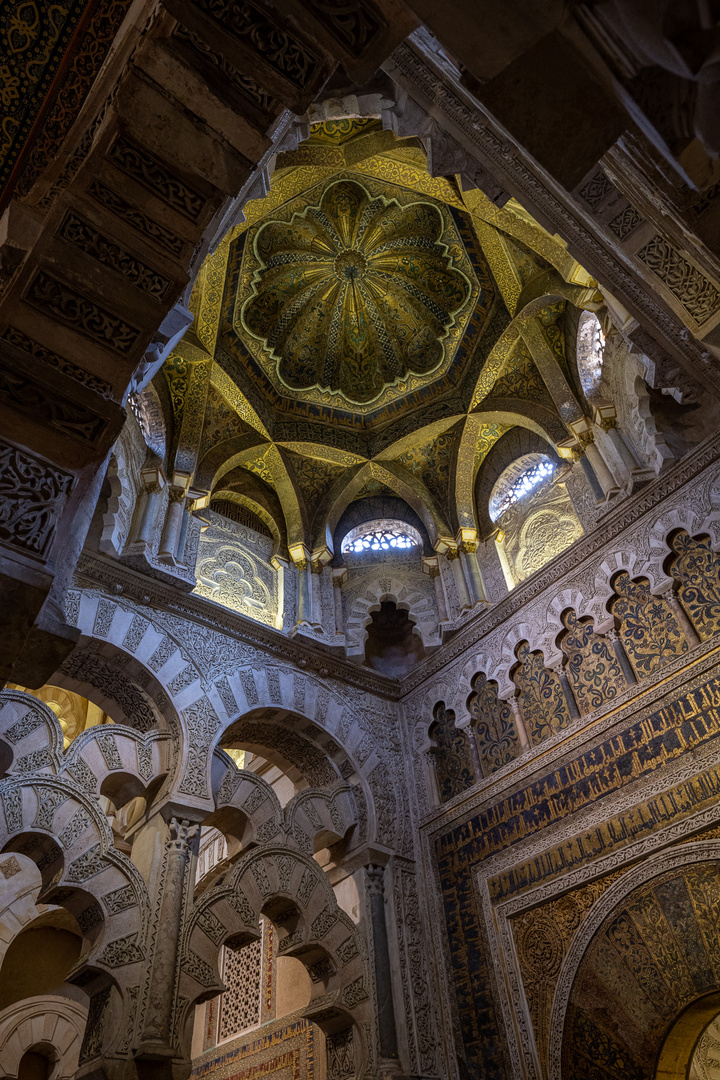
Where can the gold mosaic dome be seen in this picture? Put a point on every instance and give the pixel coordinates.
(355, 293)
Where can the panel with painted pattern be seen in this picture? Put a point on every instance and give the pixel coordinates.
(542, 699)
(453, 760)
(648, 629)
(697, 567)
(591, 666)
(493, 725)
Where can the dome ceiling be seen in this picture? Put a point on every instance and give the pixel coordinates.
(369, 329)
(358, 292)
(356, 296)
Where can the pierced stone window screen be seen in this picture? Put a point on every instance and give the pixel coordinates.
(240, 1004)
(382, 535)
(518, 480)
(590, 352)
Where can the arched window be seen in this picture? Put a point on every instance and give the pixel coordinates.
(590, 352)
(519, 480)
(382, 535)
(535, 516)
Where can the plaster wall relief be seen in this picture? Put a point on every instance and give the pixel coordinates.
(233, 568)
(536, 530)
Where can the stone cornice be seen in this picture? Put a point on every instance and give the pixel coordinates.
(99, 572)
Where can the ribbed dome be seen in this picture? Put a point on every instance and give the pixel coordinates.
(354, 293)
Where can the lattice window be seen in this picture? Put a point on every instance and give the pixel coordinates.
(519, 479)
(590, 352)
(382, 536)
(240, 1004)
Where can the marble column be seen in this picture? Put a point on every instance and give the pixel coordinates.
(146, 517)
(316, 570)
(460, 582)
(605, 478)
(691, 635)
(387, 1032)
(625, 451)
(339, 577)
(156, 1040)
(567, 691)
(431, 567)
(591, 478)
(469, 560)
(514, 704)
(304, 608)
(474, 750)
(184, 525)
(172, 526)
(621, 656)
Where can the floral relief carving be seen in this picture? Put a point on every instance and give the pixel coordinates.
(32, 497)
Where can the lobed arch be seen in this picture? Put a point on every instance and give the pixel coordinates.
(320, 819)
(51, 822)
(462, 691)
(291, 889)
(687, 518)
(418, 607)
(544, 624)
(198, 691)
(117, 518)
(31, 740)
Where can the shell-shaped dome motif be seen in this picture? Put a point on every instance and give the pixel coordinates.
(355, 293)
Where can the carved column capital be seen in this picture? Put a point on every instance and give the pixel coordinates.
(375, 879)
(181, 833)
